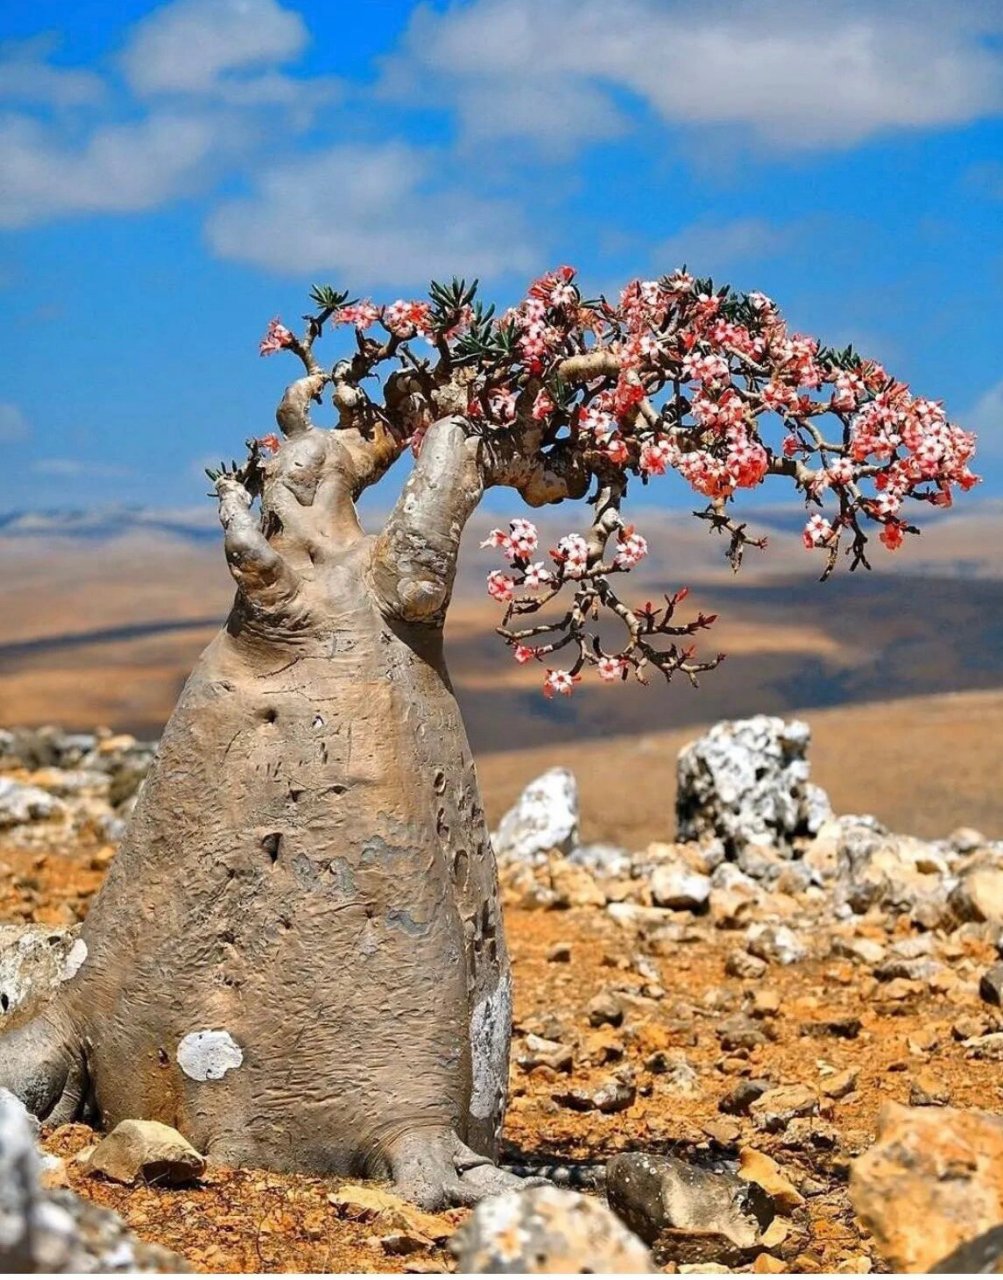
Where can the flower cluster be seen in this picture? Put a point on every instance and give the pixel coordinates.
(276, 337)
(674, 375)
(588, 568)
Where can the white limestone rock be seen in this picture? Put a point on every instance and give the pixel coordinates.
(746, 782)
(543, 819)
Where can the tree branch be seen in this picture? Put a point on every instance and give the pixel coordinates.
(261, 574)
(414, 564)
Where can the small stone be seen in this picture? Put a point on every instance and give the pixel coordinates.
(605, 1009)
(767, 1265)
(967, 1027)
(559, 953)
(677, 888)
(573, 886)
(766, 1002)
(928, 1091)
(741, 964)
(775, 943)
(21, 804)
(841, 1027)
(674, 1072)
(546, 1229)
(741, 1098)
(740, 1032)
(755, 1166)
(545, 1053)
(776, 1233)
(145, 1150)
(991, 985)
(776, 1108)
(613, 1096)
(604, 861)
(841, 1084)
(724, 1132)
(978, 895)
(866, 950)
(966, 840)
(661, 1197)
(988, 1048)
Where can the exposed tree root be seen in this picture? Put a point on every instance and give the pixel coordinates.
(42, 1063)
(435, 1170)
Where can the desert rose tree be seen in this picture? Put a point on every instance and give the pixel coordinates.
(297, 958)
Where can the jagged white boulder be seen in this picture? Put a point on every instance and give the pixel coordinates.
(746, 782)
(543, 819)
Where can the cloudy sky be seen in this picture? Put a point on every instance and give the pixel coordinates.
(172, 175)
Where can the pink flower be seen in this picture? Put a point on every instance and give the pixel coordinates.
(817, 532)
(839, 471)
(537, 575)
(524, 537)
(522, 653)
(503, 404)
(706, 368)
(631, 549)
(573, 553)
(363, 315)
(500, 586)
(498, 538)
(598, 421)
(656, 458)
(893, 534)
(617, 452)
(562, 682)
(610, 668)
(276, 337)
(407, 319)
(543, 405)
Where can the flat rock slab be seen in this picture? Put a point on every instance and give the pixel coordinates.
(147, 1151)
(686, 1213)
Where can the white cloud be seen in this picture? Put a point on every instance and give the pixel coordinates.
(373, 215)
(13, 424)
(119, 168)
(986, 419)
(710, 247)
(26, 75)
(791, 73)
(209, 70)
(77, 468)
(188, 46)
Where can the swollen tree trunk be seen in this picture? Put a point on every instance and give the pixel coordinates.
(297, 958)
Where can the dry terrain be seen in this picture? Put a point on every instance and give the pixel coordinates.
(686, 1042)
(104, 618)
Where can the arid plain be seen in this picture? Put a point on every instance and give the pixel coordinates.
(899, 672)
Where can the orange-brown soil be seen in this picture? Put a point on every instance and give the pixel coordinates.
(675, 997)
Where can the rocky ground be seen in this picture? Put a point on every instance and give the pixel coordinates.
(774, 1041)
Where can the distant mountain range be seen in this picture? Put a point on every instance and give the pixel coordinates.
(195, 523)
(963, 535)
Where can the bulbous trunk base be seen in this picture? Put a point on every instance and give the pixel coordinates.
(297, 959)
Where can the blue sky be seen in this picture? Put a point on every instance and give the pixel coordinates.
(172, 175)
